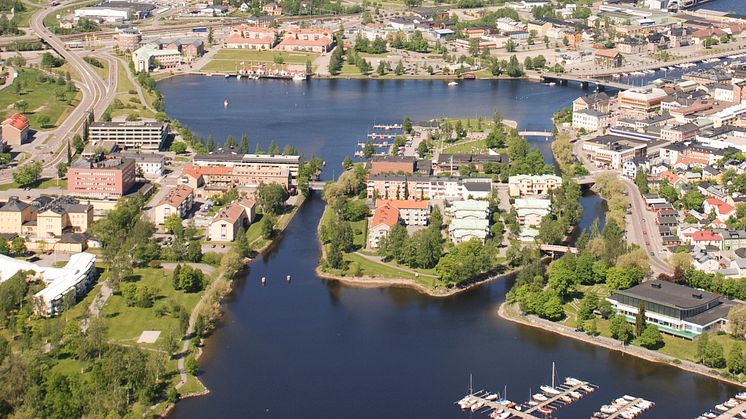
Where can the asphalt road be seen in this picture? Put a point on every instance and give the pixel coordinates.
(97, 94)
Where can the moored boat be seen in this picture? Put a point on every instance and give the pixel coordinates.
(549, 390)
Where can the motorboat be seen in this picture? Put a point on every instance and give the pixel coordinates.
(492, 397)
(566, 399)
(587, 388)
(507, 403)
(466, 402)
(731, 403)
(453, 83)
(540, 397)
(550, 390)
(575, 395)
(544, 410)
(741, 395)
(608, 409)
(476, 406)
(722, 408)
(572, 381)
(299, 77)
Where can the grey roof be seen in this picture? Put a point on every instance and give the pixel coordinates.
(478, 186)
(462, 158)
(714, 314)
(14, 205)
(670, 294)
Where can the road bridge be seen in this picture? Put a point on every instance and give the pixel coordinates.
(584, 81)
(555, 248)
(535, 133)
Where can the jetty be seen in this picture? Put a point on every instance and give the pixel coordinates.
(544, 403)
(735, 407)
(388, 126)
(624, 407)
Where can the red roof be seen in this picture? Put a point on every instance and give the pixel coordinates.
(608, 53)
(403, 203)
(306, 42)
(706, 235)
(238, 39)
(722, 207)
(196, 171)
(17, 121)
(385, 215)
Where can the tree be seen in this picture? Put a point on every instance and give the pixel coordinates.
(176, 279)
(713, 355)
(640, 320)
(694, 199)
(650, 338)
(347, 163)
(241, 243)
(368, 150)
(271, 197)
(173, 224)
(190, 279)
(422, 149)
(43, 121)
(736, 363)
(28, 174)
(621, 330)
(268, 226)
(61, 169)
(407, 125)
(244, 143)
(737, 320)
(399, 70)
(178, 147)
(641, 180)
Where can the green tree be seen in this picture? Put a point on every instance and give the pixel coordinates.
(271, 197)
(399, 70)
(61, 169)
(178, 147)
(28, 173)
(641, 180)
(736, 363)
(650, 338)
(640, 320)
(347, 163)
(173, 224)
(268, 226)
(191, 279)
(241, 243)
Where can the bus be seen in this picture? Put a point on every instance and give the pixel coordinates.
(200, 29)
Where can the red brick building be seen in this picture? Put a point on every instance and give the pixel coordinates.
(15, 129)
(392, 164)
(110, 177)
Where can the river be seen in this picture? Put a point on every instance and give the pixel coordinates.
(318, 349)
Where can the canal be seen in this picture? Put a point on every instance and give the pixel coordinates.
(318, 349)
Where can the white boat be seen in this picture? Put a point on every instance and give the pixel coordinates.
(227, 75)
(225, 103)
(549, 390)
(552, 83)
(299, 77)
(722, 408)
(741, 396)
(625, 74)
(616, 76)
(539, 397)
(476, 406)
(572, 381)
(575, 395)
(587, 389)
(238, 77)
(608, 409)
(453, 83)
(566, 399)
(492, 397)
(731, 403)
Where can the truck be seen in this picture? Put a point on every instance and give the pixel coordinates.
(201, 29)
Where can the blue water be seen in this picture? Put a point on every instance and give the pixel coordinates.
(734, 6)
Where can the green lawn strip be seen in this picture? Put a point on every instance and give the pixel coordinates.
(471, 147)
(40, 98)
(228, 60)
(192, 385)
(360, 232)
(22, 18)
(127, 323)
(375, 269)
(44, 184)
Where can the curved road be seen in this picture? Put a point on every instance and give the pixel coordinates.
(96, 96)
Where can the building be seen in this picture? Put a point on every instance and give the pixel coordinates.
(128, 38)
(532, 210)
(237, 41)
(139, 135)
(412, 212)
(679, 132)
(469, 220)
(76, 278)
(178, 200)
(393, 186)
(384, 219)
(190, 49)
(13, 215)
(453, 163)
(608, 58)
(55, 217)
(600, 102)
(590, 120)
(257, 163)
(307, 39)
(272, 9)
(722, 210)
(613, 151)
(227, 222)
(104, 178)
(392, 164)
(522, 185)
(675, 309)
(640, 103)
(148, 165)
(15, 129)
(150, 56)
(104, 14)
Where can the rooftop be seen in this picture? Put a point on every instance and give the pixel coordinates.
(670, 294)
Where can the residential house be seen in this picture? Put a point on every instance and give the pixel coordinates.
(522, 185)
(384, 219)
(469, 220)
(608, 58)
(412, 212)
(15, 130)
(590, 120)
(722, 210)
(227, 222)
(178, 200)
(532, 210)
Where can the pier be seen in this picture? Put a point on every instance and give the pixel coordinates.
(624, 407)
(556, 397)
(735, 407)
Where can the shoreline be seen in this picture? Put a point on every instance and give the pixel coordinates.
(203, 341)
(508, 312)
(164, 76)
(381, 282)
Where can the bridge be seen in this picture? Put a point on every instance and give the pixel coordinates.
(583, 80)
(316, 185)
(555, 248)
(535, 133)
(586, 180)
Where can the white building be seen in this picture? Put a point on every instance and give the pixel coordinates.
(469, 220)
(139, 135)
(590, 120)
(521, 185)
(150, 165)
(106, 14)
(629, 169)
(532, 210)
(178, 200)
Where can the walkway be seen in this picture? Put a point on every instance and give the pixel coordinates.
(134, 82)
(97, 304)
(11, 76)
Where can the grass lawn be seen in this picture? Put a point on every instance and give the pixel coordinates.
(130, 100)
(360, 232)
(375, 269)
(471, 147)
(22, 18)
(41, 98)
(127, 323)
(44, 184)
(103, 72)
(227, 60)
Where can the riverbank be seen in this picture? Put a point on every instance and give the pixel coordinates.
(439, 77)
(511, 313)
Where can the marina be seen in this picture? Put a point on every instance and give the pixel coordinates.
(735, 407)
(626, 407)
(544, 403)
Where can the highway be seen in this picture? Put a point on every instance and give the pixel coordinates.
(641, 226)
(97, 94)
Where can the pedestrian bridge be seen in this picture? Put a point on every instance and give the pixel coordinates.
(555, 248)
(535, 133)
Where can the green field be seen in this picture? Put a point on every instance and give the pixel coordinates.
(127, 323)
(124, 87)
(41, 98)
(44, 184)
(22, 18)
(228, 60)
(472, 147)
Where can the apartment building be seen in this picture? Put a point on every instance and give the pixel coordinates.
(229, 220)
(15, 129)
(532, 210)
(45, 217)
(384, 219)
(104, 178)
(139, 135)
(148, 165)
(590, 120)
(257, 163)
(640, 102)
(411, 212)
(522, 185)
(178, 200)
(613, 151)
(208, 179)
(469, 220)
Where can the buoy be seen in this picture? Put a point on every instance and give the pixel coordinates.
(264, 280)
(288, 278)
(225, 103)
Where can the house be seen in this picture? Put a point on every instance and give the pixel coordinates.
(55, 217)
(392, 164)
(13, 215)
(723, 211)
(147, 165)
(732, 239)
(384, 219)
(608, 58)
(705, 261)
(452, 163)
(105, 178)
(15, 130)
(522, 185)
(700, 35)
(600, 102)
(272, 9)
(632, 46)
(704, 238)
(307, 39)
(178, 200)
(629, 169)
(412, 212)
(149, 56)
(675, 309)
(251, 37)
(227, 222)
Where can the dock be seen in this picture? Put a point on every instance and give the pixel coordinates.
(735, 407)
(625, 406)
(388, 126)
(529, 409)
